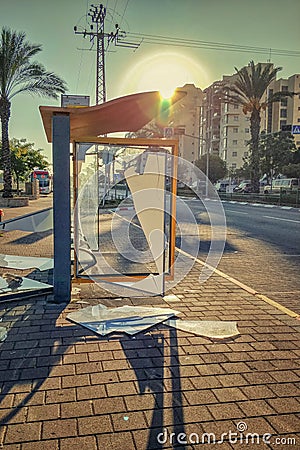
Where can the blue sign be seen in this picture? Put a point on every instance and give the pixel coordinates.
(295, 129)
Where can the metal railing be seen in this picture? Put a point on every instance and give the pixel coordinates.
(282, 198)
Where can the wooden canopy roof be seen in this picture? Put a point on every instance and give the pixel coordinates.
(129, 113)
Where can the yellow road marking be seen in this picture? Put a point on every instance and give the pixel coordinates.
(246, 288)
(243, 286)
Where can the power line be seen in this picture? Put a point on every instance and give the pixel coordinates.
(208, 45)
(103, 40)
(124, 12)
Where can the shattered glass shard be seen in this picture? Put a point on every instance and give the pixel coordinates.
(14, 283)
(3, 334)
(208, 328)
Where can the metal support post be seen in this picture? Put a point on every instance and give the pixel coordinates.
(61, 208)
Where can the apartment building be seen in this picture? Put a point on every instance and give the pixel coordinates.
(210, 119)
(227, 129)
(234, 135)
(185, 120)
(286, 112)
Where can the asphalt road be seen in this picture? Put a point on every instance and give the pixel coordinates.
(273, 225)
(262, 248)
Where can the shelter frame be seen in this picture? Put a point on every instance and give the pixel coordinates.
(136, 143)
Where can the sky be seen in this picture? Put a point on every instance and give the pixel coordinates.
(269, 24)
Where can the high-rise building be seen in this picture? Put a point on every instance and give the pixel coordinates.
(226, 128)
(286, 112)
(186, 122)
(210, 119)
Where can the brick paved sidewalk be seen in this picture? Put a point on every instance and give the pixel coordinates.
(45, 201)
(25, 243)
(63, 387)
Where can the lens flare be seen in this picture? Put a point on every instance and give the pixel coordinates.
(163, 71)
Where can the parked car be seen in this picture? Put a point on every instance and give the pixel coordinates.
(244, 187)
(282, 185)
(221, 186)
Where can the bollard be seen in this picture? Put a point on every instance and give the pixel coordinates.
(1, 214)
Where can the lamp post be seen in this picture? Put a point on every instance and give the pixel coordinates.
(207, 170)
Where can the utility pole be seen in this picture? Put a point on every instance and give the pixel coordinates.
(103, 40)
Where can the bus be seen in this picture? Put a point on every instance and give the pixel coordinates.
(45, 180)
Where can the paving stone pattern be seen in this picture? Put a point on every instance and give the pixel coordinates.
(63, 387)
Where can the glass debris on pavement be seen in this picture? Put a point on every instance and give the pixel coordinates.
(25, 262)
(208, 328)
(11, 283)
(3, 334)
(134, 319)
(124, 319)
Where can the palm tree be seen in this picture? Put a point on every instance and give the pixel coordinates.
(249, 90)
(18, 74)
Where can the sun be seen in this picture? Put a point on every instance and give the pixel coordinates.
(164, 72)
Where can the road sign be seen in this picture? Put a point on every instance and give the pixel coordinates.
(296, 129)
(168, 132)
(75, 101)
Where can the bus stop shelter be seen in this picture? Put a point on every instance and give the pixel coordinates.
(64, 126)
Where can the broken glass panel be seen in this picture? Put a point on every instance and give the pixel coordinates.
(125, 319)
(11, 283)
(36, 222)
(25, 262)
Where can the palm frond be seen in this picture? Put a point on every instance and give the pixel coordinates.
(35, 79)
(47, 85)
(235, 95)
(18, 74)
(243, 83)
(278, 96)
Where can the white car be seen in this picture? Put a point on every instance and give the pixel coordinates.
(282, 185)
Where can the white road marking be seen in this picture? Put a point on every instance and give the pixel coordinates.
(279, 218)
(236, 212)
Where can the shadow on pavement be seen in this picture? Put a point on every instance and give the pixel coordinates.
(148, 357)
(31, 350)
(31, 238)
(36, 343)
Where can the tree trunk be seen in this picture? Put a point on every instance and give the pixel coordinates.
(254, 157)
(6, 156)
(18, 185)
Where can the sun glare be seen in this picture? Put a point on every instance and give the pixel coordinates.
(166, 94)
(163, 72)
